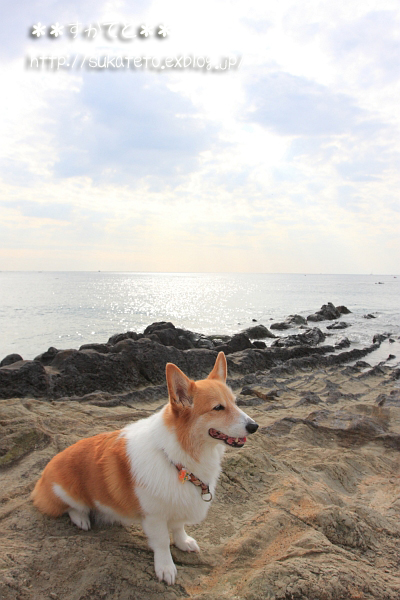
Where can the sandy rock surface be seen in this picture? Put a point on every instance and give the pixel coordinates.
(308, 509)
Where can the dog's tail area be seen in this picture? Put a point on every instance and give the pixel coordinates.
(45, 499)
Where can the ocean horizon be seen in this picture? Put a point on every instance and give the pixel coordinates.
(66, 309)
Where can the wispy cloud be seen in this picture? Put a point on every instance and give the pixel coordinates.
(287, 164)
(138, 128)
(293, 105)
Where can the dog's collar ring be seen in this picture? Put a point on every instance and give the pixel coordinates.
(206, 494)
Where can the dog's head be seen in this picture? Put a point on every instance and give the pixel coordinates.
(205, 411)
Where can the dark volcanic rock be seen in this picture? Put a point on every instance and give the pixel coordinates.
(311, 337)
(204, 342)
(248, 361)
(343, 310)
(327, 312)
(310, 357)
(361, 364)
(251, 360)
(129, 335)
(238, 342)
(369, 316)
(131, 364)
(160, 325)
(60, 356)
(343, 343)
(339, 325)
(172, 337)
(395, 374)
(102, 348)
(259, 332)
(149, 358)
(167, 334)
(259, 344)
(281, 326)
(86, 371)
(23, 378)
(291, 321)
(380, 337)
(296, 320)
(127, 365)
(219, 339)
(46, 358)
(130, 361)
(123, 346)
(197, 362)
(10, 359)
(377, 370)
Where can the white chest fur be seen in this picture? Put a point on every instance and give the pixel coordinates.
(153, 451)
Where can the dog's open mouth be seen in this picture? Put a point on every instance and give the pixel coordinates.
(231, 441)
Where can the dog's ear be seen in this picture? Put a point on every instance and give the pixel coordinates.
(180, 387)
(220, 369)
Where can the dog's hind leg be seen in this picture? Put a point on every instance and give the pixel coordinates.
(80, 518)
(182, 540)
(78, 511)
(158, 537)
(46, 500)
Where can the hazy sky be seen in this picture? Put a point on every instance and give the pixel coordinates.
(287, 163)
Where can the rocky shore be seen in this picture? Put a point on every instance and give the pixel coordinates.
(308, 509)
(133, 361)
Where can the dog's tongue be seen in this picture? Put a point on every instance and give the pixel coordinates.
(232, 440)
(228, 439)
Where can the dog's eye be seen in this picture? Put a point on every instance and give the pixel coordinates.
(219, 407)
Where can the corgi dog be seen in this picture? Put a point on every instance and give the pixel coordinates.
(161, 471)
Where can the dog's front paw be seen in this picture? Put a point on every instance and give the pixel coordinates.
(165, 571)
(187, 544)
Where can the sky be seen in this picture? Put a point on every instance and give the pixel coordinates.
(251, 137)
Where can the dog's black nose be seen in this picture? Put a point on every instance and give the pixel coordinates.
(252, 427)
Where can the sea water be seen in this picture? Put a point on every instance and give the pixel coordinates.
(68, 309)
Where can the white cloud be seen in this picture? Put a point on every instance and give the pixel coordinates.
(287, 164)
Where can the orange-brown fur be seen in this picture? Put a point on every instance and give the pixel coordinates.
(102, 472)
(93, 468)
(183, 420)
